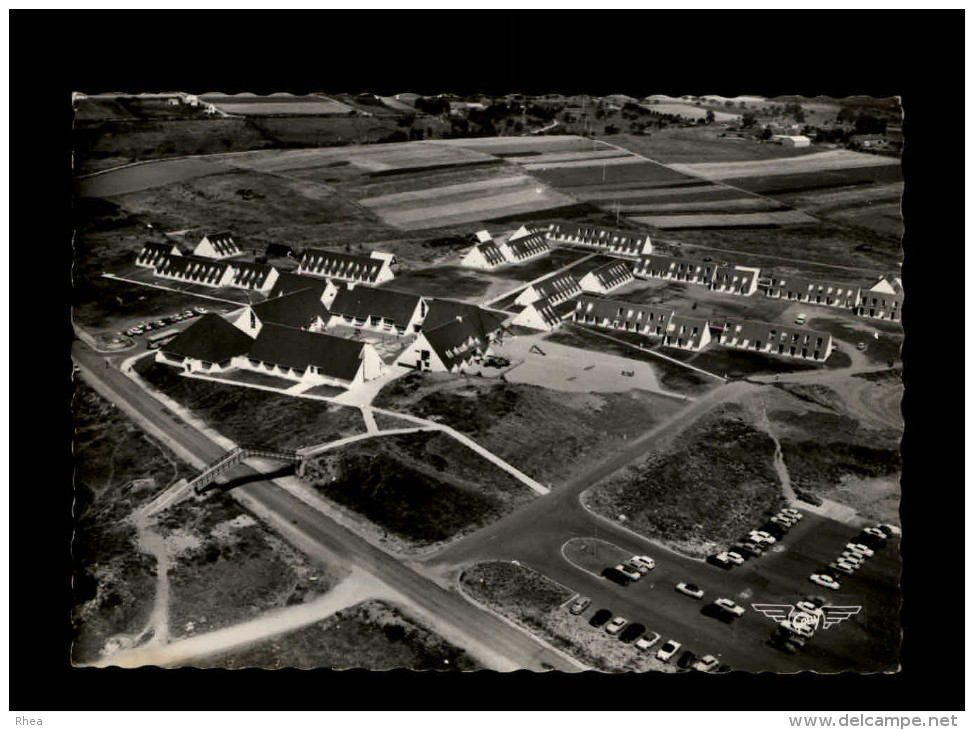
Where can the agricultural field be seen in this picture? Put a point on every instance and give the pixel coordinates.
(374, 635)
(830, 160)
(252, 417)
(117, 469)
(579, 427)
(145, 176)
(281, 104)
(423, 488)
(706, 489)
(689, 111)
(690, 145)
(771, 219)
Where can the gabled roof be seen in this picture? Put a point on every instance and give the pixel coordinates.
(443, 311)
(341, 265)
(802, 284)
(455, 341)
(612, 274)
(366, 301)
(299, 309)
(197, 268)
(888, 285)
(641, 314)
(692, 328)
(631, 241)
(292, 348)
(492, 253)
(772, 332)
(210, 338)
(249, 275)
(222, 243)
(726, 272)
(557, 284)
(152, 251)
(528, 245)
(288, 283)
(655, 262)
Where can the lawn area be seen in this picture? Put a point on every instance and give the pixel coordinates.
(705, 490)
(878, 350)
(448, 282)
(226, 567)
(252, 417)
(117, 468)
(374, 635)
(422, 487)
(326, 390)
(547, 434)
(733, 363)
(249, 376)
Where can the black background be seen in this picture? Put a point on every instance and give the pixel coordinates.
(917, 55)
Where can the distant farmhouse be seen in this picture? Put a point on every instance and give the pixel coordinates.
(217, 246)
(791, 140)
(608, 240)
(152, 253)
(372, 269)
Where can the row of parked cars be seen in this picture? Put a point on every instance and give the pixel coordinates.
(630, 571)
(853, 556)
(142, 327)
(755, 543)
(644, 639)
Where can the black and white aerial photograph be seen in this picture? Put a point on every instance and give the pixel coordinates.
(583, 375)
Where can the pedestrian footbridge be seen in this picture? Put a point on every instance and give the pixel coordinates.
(234, 457)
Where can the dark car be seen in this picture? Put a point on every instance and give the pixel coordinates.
(616, 576)
(686, 659)
(600, 617)
(631, 633)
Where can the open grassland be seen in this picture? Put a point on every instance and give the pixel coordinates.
(282, 104)
(702, 145)
(374, 635)
(881, 346)
(421, 487)
(725, 220)
(226, 567)
(147, 175)
(708, 488)
(252, 417)
(821, 161)
(801, 181)
(519, 146)
(117, 469)
(578, 428)
(835, 451)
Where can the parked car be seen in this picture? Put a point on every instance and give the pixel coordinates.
(857, 547)
(686, 659)
(825, 580)
(875, 532)
(644, 561)
(200, 310)
(629, 571)
(748, 549)
(800, 319)
(668, 649)
(600, 617)
(762, 536)
(647, 640)
(187, 313)
(729, 606)
(854, 559)
(580, 604)
(632, 632)
(792, 513)
(721, 559)
(782, 521)
(616, 576)
(735, 557)
(615, 625)
(159, 323)
(689, 589)
(845, 568)
(707, 663)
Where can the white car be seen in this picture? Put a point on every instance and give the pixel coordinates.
(628, 571)
(875, 532)
(668, 649)
(809, 607)
(846, 568)
(852, 558)
(735, 558)
(794, 513)
(800, 319)
(761, 537)
(859, 548)
(729, 606)
(688, 589)
(706, 664)
(643, 561)
(782, 520)
(825, 580)
(650, 638)
(615, 625)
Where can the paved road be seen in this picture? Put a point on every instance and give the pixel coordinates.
(457, 614)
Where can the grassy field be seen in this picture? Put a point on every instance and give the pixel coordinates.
(646, 174)
(718, 480)
(117, 468)
(878, 350)
(373, 635)
(577, 428)
(253, 417)
(226, 567)
(422, 487)
(449, 282)
(702, 144)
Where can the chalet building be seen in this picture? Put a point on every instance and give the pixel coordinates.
(152, 253)
(487, 324)
(884, 300)
(674, 269)
(195, 270)
(288, 283)
(451, 347)
(609, 240)
(372, 269)
(301, 310)
(378, 310)
(311, 357)
(606, 278)
(255, 277)
(484, 256)
(688, 333)
(217, 246)
(544, 314)
(732, 279)
(209, 344)
(812, 291)
(524, 245)
(776, 339)
(644, 319)
(557, 288)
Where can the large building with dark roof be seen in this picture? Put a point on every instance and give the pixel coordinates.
(544, 314)
(289, 283)
(208, 345)
(440, 311)
(251, 276)
(484, 256)
(301, 310)
(378, 310)
(525, 245)
(372, 269)
(450, 347)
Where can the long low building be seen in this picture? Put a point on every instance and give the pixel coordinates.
(884, 300)
(686, 333)
(153, 252)
(378, 310)
(643, 319)
(544, 314)
(814, 291)
(520, 247)
(195, 270)
(557, 288)
(606, 278)
(676, 269)
(776, 339)
(608, 240)
(372, 269)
